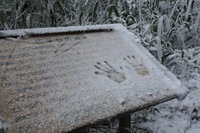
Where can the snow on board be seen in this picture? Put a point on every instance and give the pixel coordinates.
(61, 82)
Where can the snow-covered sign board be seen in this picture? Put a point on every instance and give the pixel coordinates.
(53, 82)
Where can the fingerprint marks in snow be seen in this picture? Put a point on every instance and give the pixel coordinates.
(61, 49)
(139, 67)
(109, 71)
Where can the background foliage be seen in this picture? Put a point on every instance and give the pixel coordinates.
(162, 25)
(169, 29)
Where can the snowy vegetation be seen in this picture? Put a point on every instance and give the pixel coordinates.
(169, 29)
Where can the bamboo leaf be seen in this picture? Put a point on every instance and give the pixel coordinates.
(197, 23)
(94, 14)
(28, 21)
(112, 8)
(80, 18)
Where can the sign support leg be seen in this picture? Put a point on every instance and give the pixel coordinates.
(124, 124)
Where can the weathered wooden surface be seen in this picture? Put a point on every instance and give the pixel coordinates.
(63, 82)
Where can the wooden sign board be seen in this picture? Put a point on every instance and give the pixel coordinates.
(53, 82)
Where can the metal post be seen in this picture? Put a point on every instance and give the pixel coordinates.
(124, 124)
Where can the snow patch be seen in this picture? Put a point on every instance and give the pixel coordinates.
(54, 30)
(122, 101)
(3, 125)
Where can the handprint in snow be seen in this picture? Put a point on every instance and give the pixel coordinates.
(139, 67)
(107, 70)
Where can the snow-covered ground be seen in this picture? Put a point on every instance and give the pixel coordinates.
(173, 116)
